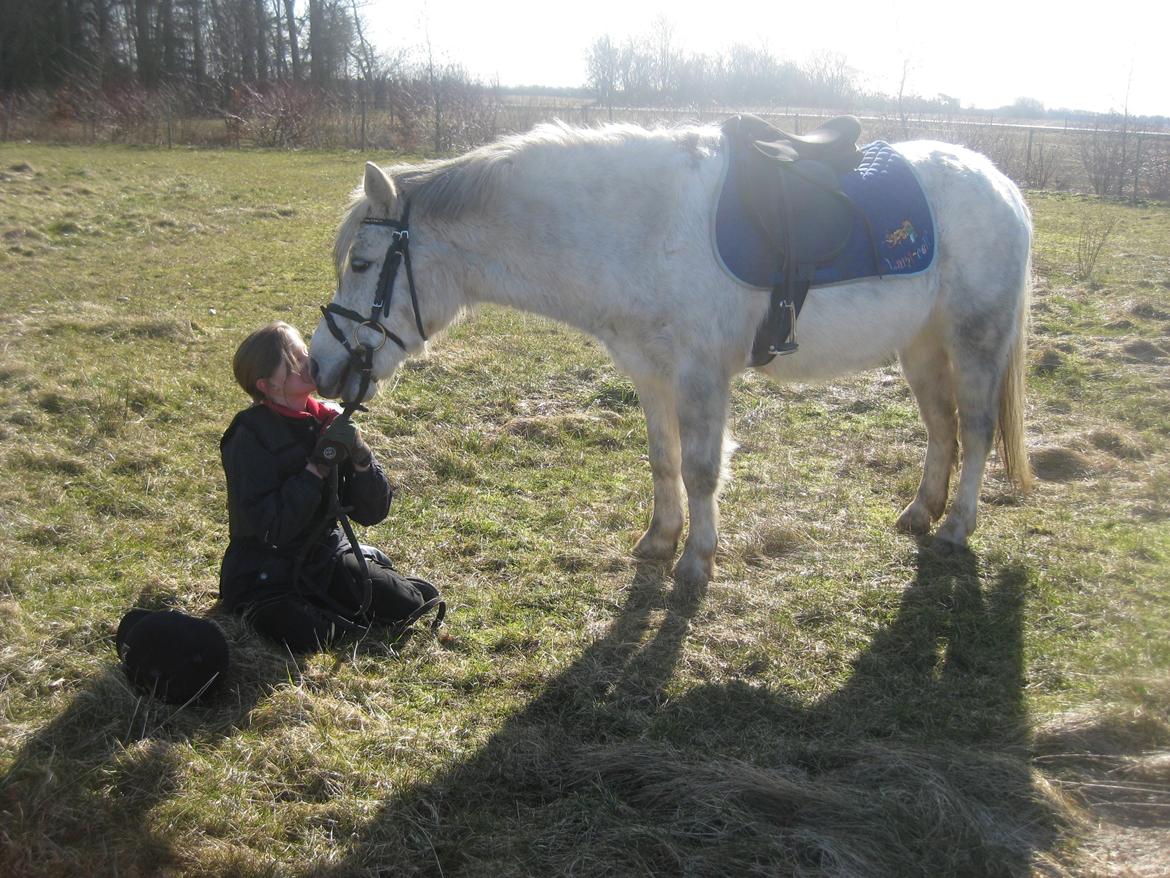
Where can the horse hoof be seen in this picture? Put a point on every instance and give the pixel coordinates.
(655, 548)
(915, 519)
(694, 573)
(951, 538)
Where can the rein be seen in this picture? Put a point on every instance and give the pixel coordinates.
(361, 356)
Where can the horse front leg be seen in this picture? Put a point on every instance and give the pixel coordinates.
(701, 399)
(666, 521)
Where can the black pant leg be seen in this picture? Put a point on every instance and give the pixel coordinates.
(392, 597)
(293, 622)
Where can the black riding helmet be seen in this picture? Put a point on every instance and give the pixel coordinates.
(171, 655)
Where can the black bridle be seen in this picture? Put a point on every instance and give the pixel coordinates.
(361, 356)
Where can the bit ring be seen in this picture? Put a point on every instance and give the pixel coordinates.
(373, 324)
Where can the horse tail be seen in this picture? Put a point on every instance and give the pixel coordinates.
(1012, 449)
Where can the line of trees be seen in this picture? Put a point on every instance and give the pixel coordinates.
(277, 72)
(206, 45)
(288, 73)
(651, 70)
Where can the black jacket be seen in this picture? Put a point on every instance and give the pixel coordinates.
(275, 506)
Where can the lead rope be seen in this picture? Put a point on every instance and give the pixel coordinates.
(363, 356)
(367, 583)
(435, 603)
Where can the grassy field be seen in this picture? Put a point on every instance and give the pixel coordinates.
(840, 701)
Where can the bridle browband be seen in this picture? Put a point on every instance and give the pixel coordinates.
(361, 355)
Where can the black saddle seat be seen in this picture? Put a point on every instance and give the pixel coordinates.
(834, 143)
(791, 185)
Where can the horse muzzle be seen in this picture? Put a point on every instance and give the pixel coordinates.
(342, 382)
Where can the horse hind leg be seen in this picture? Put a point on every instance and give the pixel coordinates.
(666, 521)
(928, 371)
(980, 371)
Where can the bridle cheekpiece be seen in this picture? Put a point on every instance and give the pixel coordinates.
(361, 355)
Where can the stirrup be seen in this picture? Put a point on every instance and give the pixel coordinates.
(789, 344)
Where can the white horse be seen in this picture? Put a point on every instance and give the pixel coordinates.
(609, 231)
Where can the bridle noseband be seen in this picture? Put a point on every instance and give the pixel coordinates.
(361, 355)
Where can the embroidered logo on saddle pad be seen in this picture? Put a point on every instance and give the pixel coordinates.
(892, 233)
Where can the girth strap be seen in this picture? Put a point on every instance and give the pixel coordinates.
(776, 335)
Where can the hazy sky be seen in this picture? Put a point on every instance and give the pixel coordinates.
(986, 53)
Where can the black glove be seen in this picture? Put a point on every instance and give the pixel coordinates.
(336, 443)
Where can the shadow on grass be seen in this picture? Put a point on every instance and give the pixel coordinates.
(917, 766)
(74, 800)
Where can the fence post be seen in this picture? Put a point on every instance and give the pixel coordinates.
(1137, 165)
(1028, 159)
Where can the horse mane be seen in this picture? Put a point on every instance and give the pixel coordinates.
(447, 189)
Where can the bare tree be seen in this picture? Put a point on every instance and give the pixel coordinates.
(831, 80)
(294, 50)
(248, 36)
(1094, 233)
(902, 97)
(436, 94)
(260, 20)
(1103, 158)
(366, 60)
(198, 58)
(603, 64)
(144, 42)
(663, 57)
(1039, 161)
(751, 76)
(318, 72)
(635, 72)
(170, 48)
(280, 69)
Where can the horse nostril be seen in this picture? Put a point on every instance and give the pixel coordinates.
(314, 369)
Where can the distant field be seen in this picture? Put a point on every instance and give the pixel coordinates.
(840, 701)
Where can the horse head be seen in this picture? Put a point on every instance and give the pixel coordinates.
(373, 321)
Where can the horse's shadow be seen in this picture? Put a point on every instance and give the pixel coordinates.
(79, 791)
(917, 765)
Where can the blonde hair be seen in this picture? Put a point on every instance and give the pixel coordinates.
(262, 352)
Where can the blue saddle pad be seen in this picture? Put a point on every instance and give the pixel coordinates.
(893, 229)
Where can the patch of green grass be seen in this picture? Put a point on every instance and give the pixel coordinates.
(838, 700)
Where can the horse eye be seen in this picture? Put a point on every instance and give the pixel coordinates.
(360, 265)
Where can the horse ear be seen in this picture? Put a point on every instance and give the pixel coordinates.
(378, 187)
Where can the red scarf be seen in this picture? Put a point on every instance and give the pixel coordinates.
(322, 412)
